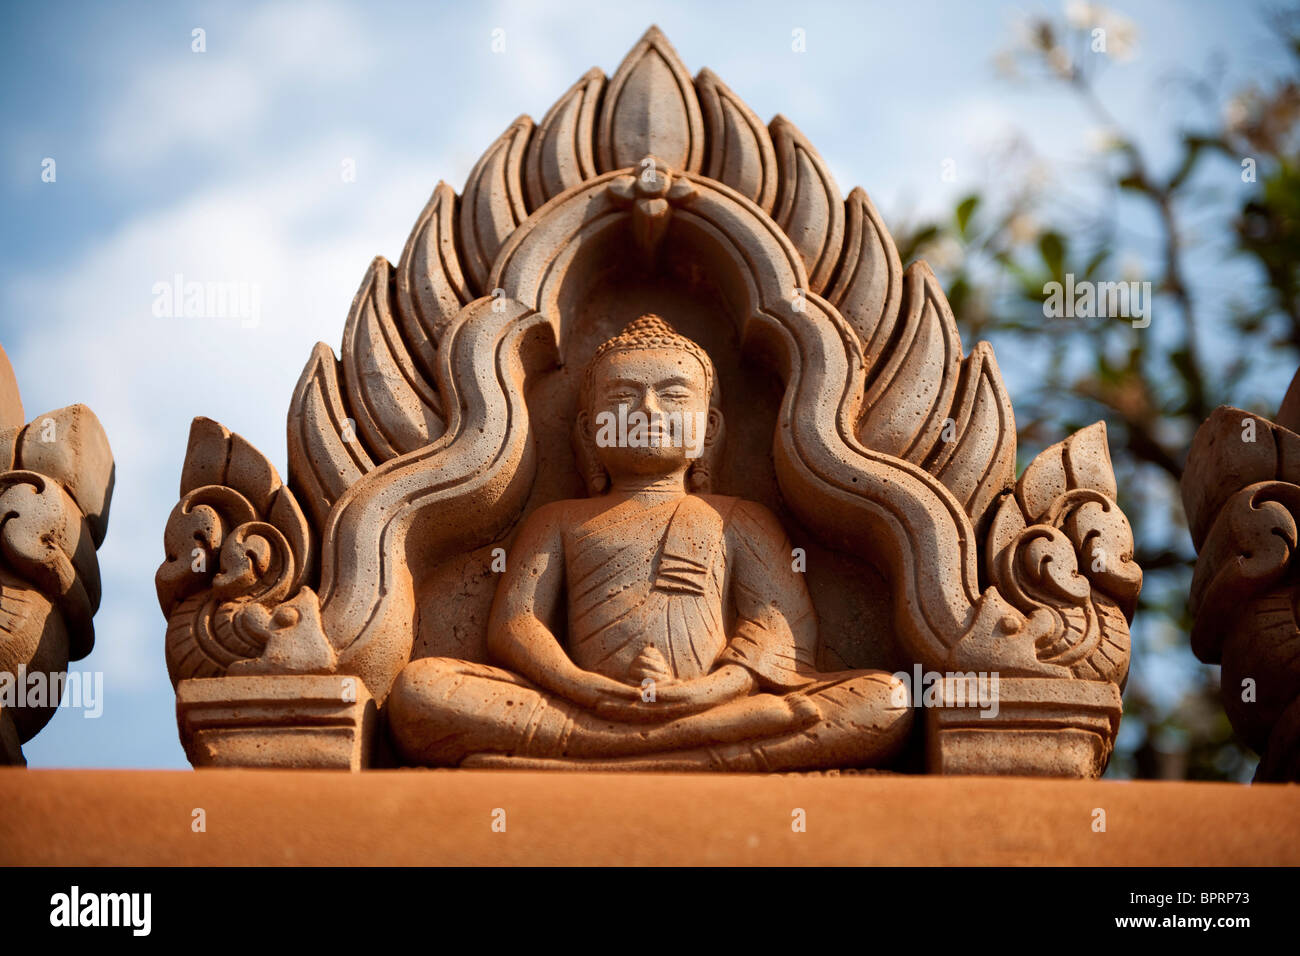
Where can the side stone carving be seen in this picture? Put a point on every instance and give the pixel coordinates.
(1241, 489)
(886, 443)
(56, 482)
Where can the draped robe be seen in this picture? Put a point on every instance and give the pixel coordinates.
(705, 581)
(659, 577)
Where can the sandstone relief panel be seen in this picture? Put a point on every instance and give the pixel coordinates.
(481, 557)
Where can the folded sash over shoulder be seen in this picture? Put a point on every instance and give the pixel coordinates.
(694, 531)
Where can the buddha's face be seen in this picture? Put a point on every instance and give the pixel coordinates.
(648, 411)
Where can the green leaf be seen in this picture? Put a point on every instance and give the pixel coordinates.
(964, 210)
(1051, 246)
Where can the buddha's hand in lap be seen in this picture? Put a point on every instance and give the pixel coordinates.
(651, 666)
(592, 691)
(681, 698)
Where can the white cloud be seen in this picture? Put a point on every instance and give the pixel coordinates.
(217, 98)
(199, 102)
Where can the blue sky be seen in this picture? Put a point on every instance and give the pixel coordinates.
(225, 165)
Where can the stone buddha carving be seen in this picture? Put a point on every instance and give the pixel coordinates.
(652, 625)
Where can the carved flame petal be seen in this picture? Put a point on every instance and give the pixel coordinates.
(394, 406)
(430, 286)
(1220, 463)
(561, 154)
(809, 207)
(322, 461)
(741, 153)
(869, 289)
(218, 458)
(651, 109)
(977, 461)
(1081, 461)
(492, 204)
(908, 400)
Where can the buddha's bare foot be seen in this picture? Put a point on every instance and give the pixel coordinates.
(748, 718)
(756, 716)
(683, 762)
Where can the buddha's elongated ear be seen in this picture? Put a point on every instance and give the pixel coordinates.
(700, 476)
(584, 449)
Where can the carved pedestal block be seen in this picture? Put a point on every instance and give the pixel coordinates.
(1041, 727)
(319, 722)
(864, 519)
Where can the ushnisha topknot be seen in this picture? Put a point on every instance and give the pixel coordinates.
(651, 332)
